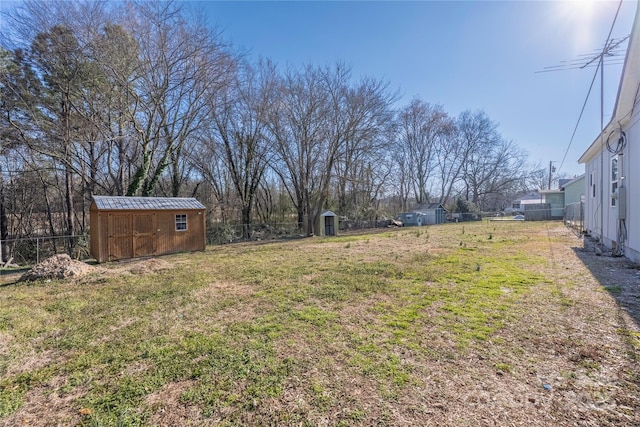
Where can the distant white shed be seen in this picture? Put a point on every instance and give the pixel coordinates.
(327, 224)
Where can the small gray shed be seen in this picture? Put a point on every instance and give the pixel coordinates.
(327, 224)
(428, 214)
(412, 218)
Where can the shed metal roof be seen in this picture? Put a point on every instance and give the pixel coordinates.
(146, 203)
(427, 207)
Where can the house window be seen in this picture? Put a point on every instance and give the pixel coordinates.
(592, 184)
(614, 180)
(181, 222)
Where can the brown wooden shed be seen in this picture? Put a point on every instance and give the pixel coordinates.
(132, 227)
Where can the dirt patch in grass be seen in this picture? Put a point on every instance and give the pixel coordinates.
(578, 359)
(48, 406)
(222, 289)
(32, 362)
(148, 266)
(167, 410)
(136, 266)
(227, 295)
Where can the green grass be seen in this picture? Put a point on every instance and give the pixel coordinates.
(240, 326)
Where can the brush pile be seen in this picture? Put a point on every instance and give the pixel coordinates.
(57, 267)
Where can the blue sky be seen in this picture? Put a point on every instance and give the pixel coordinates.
(462, 55)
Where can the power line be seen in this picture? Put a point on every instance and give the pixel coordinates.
(575, 129)
(609, 45)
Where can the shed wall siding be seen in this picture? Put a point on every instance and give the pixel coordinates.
(169, 240)
(104, 237)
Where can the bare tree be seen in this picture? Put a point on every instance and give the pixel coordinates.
(238, 115)
(299, 132)
(421, 128)
(182, 63)
(367, 121)
(207, 158)
(449, 162)
(29, 18)
(491, 165)
(59, 112)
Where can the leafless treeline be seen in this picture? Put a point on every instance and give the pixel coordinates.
(147, 99)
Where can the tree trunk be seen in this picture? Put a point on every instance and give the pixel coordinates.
(52, 228)
(4, 226)
(246, 221)
(68, 178)
(68, 171)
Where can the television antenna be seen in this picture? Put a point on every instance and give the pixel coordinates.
(612, 53)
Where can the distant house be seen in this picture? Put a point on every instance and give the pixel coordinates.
(563, 181)
(555, 200)
(519, 204)
(574, 202)
(427, 214)
(133, 227)
(612, 174)
(573, 190)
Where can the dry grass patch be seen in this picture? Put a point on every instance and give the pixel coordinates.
(167, 410)
(462, 324)
(48, 405)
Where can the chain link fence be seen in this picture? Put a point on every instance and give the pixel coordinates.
(222, 233)
(31, 250)
(574, 217)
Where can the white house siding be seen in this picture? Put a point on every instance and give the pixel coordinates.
(629, 169)
(597, 210)
(592, 219)
(631, 172)
(602, 219)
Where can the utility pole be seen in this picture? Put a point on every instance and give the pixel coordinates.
(551, 170)
(608, 51)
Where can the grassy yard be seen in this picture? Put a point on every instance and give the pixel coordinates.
(461, 324)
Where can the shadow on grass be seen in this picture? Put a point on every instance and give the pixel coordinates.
(11, 276)
(617, 275)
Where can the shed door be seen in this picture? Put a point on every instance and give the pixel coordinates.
(120, 233)
(144, 226)
(329, 229)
